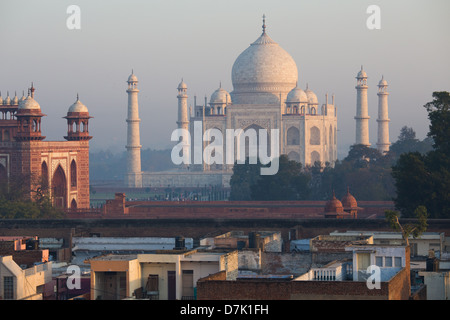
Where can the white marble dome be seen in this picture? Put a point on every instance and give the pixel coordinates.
(132, 78)
(297, 95)
(182, 85)
(382, 82)
(29, 104)
(312, 98)
(7, 101)
(220, 96)
(78, 107)
(264, 67)
(362, 73)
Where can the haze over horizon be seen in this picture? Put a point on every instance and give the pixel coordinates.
(164, 41)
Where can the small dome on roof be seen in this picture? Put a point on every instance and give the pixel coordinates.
(220, 96)
(312, 98)
(15, 101)
(362, 73)
(7, 100)
(29, 104)
(382, 82)
(297, 95)
(132, 78)
(182, 85)
(349, 201)
(334, 205)
(78, 107)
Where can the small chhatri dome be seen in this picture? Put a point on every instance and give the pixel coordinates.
(382, 82)
(361, 73)
(29, 104)
(78, 106)
(132, 77)
(312, 98)
(349, 201)
(7, 101)
(334, 205)
(220, 96)
(15, 101)
(182, 85)
(297, 95)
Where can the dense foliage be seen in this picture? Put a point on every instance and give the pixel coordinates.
(424, 179)
(17, 201)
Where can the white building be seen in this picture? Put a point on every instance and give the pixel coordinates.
(266, 95)
(420, 246)
(266, 108)
(23, 284)
(168, 275)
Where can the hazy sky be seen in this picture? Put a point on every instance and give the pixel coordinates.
(199, 40)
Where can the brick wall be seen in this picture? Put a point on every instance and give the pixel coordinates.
(117, 208)
(213, 289)
(285, 263)
(29, 257)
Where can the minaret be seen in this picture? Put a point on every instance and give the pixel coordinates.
(362, 109)
(383, 120)
(183, 118)
(133, 177)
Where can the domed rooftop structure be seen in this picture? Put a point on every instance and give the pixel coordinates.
(382, 82)
(297, 95)
(349, 201)
(334, 205)
(29, 104)
(263, 71)
(15, 100)
(7, 101)
(132, 77)
(312, 98)
(361, 73)
(78, 106)
(182, 85)
(220, 96)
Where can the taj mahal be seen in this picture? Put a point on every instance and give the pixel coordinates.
(266, 96)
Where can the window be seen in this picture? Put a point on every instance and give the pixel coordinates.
(293, 136)
(363, 260)
(73, 174)
(388, 261)
(379, 261)
(188, 285)
(398, 261)
(8, 288)
(314, 136)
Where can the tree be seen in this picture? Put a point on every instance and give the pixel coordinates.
(424, 179)
(407, 134)
(407, 142)
(439, 116)
(412, 181)
(243, 178)
(19, 201)
(361, 156)
(408, 230)
(289, 183)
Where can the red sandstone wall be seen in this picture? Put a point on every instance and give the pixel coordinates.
(225, 209)
(25, 159)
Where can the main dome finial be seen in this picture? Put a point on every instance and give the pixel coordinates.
(264, 24)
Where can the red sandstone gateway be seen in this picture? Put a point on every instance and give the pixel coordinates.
(62, 165)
